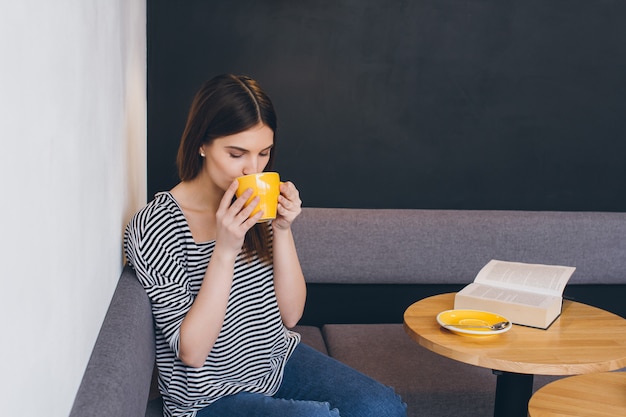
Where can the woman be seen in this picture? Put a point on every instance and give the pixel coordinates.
(224, 289)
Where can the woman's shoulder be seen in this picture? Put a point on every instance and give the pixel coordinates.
(159, 215)
(155, 238)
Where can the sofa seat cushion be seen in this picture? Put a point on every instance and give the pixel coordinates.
(430, 384)
(312, 336)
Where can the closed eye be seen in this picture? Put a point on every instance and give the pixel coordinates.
(237, 152)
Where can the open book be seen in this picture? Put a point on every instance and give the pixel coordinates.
(527, 294)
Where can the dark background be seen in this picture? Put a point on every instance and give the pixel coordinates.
(475, 104)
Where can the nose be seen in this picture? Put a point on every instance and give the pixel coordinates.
(251, 167)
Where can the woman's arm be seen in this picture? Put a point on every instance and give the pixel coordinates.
(203, 322)
(289, 281)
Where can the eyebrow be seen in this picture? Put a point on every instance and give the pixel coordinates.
(237, 148)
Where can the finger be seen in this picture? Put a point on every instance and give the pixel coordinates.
(241, 201)
(291, 201)
(227, 198)
(246, 211)
(286, 187)
(287, 209)
(290, 191)
(248, 221)
(283, 202)
(254, 219)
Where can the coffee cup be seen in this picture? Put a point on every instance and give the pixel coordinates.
(265, 185)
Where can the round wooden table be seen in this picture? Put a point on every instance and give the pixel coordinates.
(590, 395)
(584, 339)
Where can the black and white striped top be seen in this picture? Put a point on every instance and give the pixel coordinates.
(253, 345)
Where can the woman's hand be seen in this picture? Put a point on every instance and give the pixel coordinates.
(233, 221)
(289, 206)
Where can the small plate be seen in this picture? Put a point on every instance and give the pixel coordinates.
(447, 319)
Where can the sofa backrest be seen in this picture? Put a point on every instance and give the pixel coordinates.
(395, 246)
(117, 379)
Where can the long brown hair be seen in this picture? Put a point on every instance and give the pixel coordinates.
(226, 105)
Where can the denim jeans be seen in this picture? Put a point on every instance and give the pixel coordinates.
(314, 385)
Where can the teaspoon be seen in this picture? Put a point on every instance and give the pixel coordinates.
(497, 326)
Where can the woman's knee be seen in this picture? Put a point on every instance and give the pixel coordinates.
(303, 408)
(327, 411)
(251, 404)
(384, 402)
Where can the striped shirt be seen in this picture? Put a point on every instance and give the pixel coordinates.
(253, 345)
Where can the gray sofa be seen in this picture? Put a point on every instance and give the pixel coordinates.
(363, 268)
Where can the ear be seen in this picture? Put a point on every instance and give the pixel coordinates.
(202, 154)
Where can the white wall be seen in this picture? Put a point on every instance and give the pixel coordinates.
(72, 171)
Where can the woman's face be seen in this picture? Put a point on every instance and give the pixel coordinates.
(243, 153)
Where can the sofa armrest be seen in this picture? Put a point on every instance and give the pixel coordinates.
(117, 379)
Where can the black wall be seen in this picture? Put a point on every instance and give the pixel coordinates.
(473, 104)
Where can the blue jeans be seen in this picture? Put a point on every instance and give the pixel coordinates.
(314, 385)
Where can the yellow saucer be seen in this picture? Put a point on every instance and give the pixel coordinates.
(447, 319)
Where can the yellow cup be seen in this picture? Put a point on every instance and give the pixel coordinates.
(266, 185)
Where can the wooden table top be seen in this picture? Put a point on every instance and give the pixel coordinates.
(591, 395)
(582, 340)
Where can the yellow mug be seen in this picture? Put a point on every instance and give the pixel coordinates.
(265, 185)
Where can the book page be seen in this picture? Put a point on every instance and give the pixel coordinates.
(546, 279)
(510, 296)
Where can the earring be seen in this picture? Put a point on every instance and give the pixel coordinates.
(202, 154)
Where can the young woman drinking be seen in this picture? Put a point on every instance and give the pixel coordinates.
(225, 290)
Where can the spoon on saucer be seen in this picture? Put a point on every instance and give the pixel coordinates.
(496, 326)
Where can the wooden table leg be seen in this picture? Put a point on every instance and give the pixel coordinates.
(513, 391)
